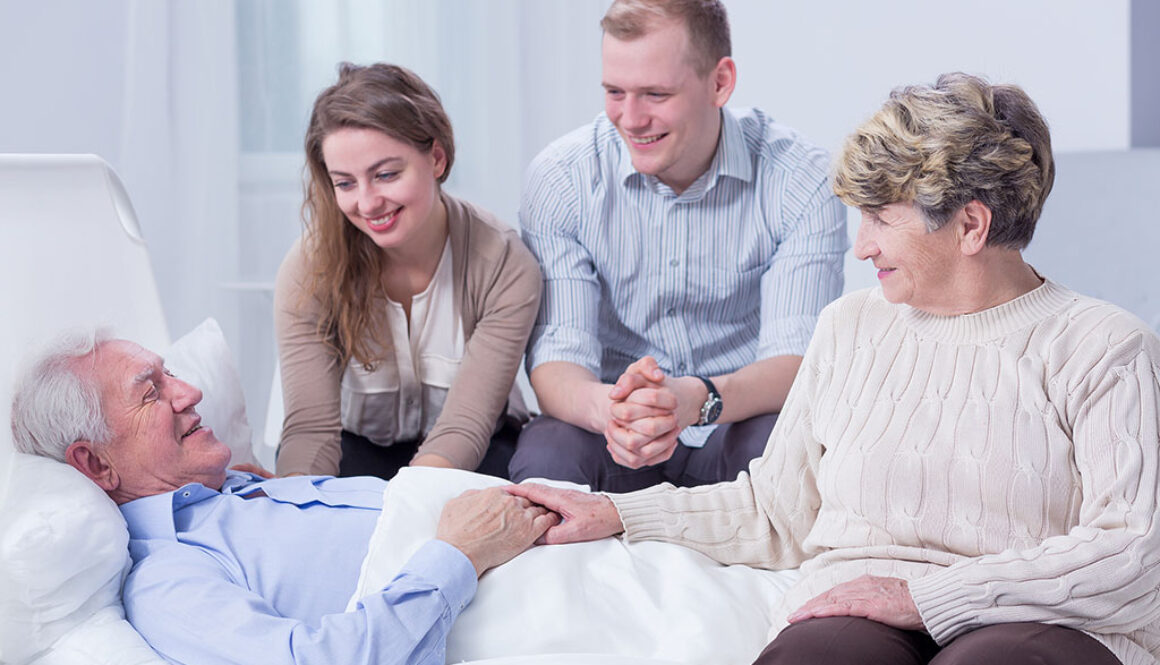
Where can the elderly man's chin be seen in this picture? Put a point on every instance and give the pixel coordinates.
(205, 439)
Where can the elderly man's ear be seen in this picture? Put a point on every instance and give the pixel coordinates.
(87, 457)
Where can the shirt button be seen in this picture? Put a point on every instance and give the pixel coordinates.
(674, 262)
(671, 311)
(682, 366)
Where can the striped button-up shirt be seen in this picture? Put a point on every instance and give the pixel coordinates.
(733, 270)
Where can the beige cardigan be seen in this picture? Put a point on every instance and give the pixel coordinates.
(1006, 463)
(497, 291)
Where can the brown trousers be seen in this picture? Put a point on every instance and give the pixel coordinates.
(854, 640)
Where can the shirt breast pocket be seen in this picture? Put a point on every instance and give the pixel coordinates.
(438, 371)
(731, 288)
(370, 402)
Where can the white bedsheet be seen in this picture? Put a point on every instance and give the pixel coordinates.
(607, 601)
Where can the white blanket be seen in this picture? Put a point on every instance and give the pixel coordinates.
(607, 601)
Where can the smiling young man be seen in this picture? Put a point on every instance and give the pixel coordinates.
(687, 250)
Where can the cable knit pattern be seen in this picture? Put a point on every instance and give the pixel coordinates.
(1004, 462)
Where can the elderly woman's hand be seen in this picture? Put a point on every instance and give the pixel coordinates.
(883, 599)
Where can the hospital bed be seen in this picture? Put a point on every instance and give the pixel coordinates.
(71, 253)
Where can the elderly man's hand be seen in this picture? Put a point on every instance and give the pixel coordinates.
(883, 599)
(491, 526)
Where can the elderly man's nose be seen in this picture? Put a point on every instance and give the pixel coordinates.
(185, 395)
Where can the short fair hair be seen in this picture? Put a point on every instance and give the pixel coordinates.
(56, 402)
(706, 22)
(942, 146)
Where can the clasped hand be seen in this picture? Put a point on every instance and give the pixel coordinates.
(647, 412)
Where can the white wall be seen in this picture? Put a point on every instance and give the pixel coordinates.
(823, 66)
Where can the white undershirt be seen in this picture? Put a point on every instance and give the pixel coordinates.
(401, 401)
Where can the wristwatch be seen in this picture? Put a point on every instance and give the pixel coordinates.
(711, 409)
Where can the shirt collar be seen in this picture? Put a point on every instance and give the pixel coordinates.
(731, 159)
(151, 517)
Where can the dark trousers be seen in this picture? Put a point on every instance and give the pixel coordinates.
(553, 449)
(854, 640)
(361, 457)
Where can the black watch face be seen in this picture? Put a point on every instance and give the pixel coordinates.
(714, 412)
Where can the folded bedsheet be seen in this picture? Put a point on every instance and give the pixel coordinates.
(631, 604)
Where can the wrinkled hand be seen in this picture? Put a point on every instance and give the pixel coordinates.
(255, 469)
(491, 526)
(643, 423)
(883, 599)
(585, 516)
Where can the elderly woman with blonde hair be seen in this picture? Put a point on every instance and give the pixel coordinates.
(967, 467)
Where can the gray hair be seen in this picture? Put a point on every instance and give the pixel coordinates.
(940, 146)
(55, 404)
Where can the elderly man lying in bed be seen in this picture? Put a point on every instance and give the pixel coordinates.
(233, 567)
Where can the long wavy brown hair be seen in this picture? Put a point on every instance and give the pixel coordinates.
(345, 264)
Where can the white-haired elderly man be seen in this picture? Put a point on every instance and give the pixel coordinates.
(232, 567)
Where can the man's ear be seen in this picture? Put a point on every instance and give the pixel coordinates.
(976, 227)
(87, 457)
(724, 77)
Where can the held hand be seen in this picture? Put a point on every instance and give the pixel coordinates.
(585, 516)
(883, 599)
(491, 526)
(255, 469)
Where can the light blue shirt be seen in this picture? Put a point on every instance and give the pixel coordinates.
(733, 270)
(219, 578)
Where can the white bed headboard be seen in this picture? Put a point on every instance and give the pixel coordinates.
(71, 254)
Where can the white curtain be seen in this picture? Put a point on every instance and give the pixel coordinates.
(179, 152)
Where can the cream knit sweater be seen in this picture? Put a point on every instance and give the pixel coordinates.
(1006, 463)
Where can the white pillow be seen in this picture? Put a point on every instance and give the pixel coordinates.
(63, 555)
(202, 358)
(641, 600)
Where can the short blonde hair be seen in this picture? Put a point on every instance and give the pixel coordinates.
(705, 21)
(942, 146)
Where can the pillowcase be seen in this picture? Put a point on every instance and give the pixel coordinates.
(64, 544)
(203, 359)
(63, 555)
(646, 600)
